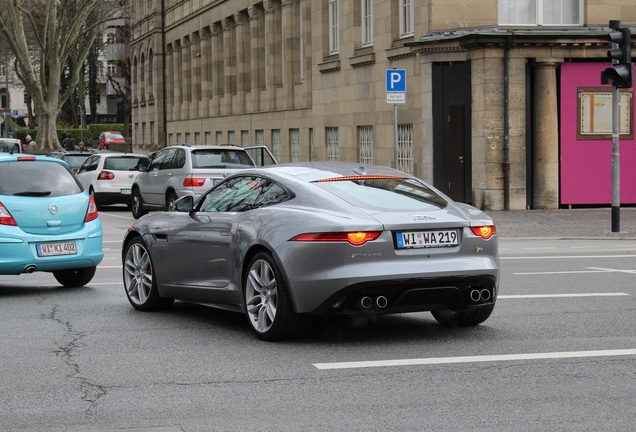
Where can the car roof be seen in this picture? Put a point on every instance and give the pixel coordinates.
(7, 157)
(312, 171)
(118, 154)
(207, 146)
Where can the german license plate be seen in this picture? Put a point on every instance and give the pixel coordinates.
(53, 249)
(426, 239)
(124, 191)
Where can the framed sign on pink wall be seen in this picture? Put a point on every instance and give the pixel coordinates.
(595, 113)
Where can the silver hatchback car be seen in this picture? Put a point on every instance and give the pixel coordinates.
(184, 170)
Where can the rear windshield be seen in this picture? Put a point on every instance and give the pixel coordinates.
(31, 178)
(385, 194)
(125, 163)
(75, 161)
(221, 159)
(6, 147)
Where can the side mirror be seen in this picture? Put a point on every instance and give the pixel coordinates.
(184, 204)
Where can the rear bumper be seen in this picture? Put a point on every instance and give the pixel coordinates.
(415, 295)
(19, 255)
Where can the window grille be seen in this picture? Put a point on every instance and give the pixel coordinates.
(332, 144)
(365, 137)
(294, 141)
(405, 148)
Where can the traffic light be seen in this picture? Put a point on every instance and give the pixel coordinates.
(621, 74)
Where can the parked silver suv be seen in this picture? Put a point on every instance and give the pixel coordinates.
(181, 170)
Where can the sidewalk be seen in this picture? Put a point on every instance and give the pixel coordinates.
(564, 223)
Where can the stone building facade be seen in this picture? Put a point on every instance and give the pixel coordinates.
(480, 117)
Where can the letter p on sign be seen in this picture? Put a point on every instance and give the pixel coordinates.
(395, 80)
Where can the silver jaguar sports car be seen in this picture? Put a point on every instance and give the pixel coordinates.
(289, 241)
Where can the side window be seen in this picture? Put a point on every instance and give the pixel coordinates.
(90, 164)
(158, 160)
(179, 159)
(243, 194)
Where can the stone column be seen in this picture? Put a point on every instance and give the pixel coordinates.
(228, 67)
(289, 55)
(195, 91)
(178, 81)
(186, 58)
(241, 61)
(545, 145)
(169, 76)
(206, 60)
(255, 56)
(307, 59)
(270, 52)
(217, 70)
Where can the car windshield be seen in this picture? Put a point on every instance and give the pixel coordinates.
(114, 135)
(37, 179)
(220, 158)
(125, 163)
(392, 193)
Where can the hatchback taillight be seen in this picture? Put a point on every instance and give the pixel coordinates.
(5, 216)
(91, 213)
(106, 175)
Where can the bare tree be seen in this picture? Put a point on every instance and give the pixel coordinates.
(44, 35)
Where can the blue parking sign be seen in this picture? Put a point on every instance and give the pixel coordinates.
(396, 80)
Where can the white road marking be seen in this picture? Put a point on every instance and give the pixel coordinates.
(474, 359)
(612, 270)
(526, 296)
(550, 257)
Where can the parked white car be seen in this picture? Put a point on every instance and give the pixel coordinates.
(108, 177)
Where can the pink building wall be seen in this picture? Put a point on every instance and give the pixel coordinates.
(586, 165)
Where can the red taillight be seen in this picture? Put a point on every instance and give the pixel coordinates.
(91, 213)
(190, 181)
(357, 238)
(485, 231)
(5, 216)
(26, 158)
(106, 175)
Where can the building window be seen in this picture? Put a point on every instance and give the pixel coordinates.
(208, 138)
(187, 138)
(260, 137)
(405, 148)
(366, 17)
(294, 142)
(197, 138)
(276, 143)
(365, 142)
(334, 43)
(541, 12)
(219, 138)
(245, 138)
(332, 144)
(406, 18)
(230, 138)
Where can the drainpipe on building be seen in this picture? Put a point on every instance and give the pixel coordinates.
(505, 165)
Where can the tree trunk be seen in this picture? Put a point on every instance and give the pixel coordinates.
(47, 132)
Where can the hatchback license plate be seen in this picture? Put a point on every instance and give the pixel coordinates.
(52, 249)
(426, 239)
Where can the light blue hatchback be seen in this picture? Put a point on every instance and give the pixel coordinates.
(48, 222)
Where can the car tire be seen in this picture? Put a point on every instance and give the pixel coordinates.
(75, 278)
(171, 197)
(469, 318)
(137, 204)
(267, 303)
(139, 280)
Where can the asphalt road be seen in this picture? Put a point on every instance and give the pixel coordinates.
(558, 353)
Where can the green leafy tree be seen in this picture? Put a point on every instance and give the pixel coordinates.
(43, 36)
